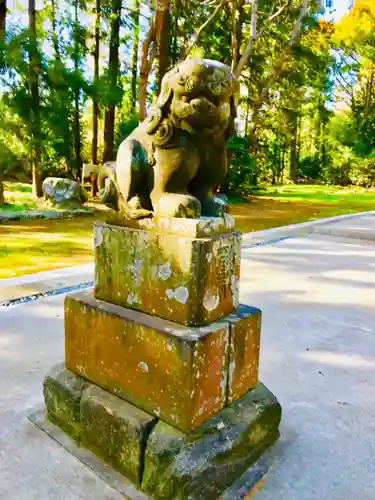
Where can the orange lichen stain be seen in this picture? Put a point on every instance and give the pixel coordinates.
(257, 487)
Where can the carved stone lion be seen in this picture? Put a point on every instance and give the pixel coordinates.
(171, 162)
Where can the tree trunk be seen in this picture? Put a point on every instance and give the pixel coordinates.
(95, 104)
(162, 40)
(77, 134)
(154, 38)
(35, 104)
(293, 149)
(109, 119)
(299, 128)
(324, 155)
(134, 64)
(2, 199)
(247, 111)
(146, 65)
(236, 37)
(55, 38)
(3, 12)
(279, 63)
(282, 166)
(77, 95)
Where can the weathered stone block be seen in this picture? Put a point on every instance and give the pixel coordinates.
(195, 228)
(172, 371)
(62, 392)
(115, 430)
(192, 281)
(204, 463)
(245, 328)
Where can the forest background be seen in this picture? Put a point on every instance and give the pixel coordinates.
(77, 76)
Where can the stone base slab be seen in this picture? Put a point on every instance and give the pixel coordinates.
(164, 462)
(182, 375)
(192, 281)
(110, 427)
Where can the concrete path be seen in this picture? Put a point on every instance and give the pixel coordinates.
(317, 294)
(34, 285)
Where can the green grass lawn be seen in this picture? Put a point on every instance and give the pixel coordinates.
(351, 198)
(18, 197)
(33, 246)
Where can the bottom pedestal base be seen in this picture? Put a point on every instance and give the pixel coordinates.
(164, 462)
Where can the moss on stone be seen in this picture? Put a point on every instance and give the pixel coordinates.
(192, 281)
(177, 373)
(202, 464)
(115, 431)
(62, 392)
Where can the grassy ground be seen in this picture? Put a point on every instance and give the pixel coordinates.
(33, 246)
(275, 206)
(18, 197)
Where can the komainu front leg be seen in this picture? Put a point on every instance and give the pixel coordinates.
(173, 170)
(176, 205)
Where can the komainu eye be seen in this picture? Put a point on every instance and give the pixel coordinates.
(181, 80)
(192, 83)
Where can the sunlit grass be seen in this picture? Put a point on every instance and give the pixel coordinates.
(275, 206)
(33, 246)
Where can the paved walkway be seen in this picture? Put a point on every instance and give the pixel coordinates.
(44, 283)
(317, 355)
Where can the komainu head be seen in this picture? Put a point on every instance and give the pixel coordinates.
(197, 95)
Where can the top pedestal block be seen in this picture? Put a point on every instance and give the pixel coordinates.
(188, 280)
(195, 228)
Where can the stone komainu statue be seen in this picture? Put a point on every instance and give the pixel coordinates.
(171, 162)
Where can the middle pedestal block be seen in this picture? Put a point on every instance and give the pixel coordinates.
(184, 375)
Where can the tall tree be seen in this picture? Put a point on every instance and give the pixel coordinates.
(55, 38)
(77, 42)
(95, 118)
(35, 102)
(3, 12)
(113, 69)
(134, 64)
(162, 41)
(155, 41)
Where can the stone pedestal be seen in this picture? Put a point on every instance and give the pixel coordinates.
(189, 280)
(161, 362)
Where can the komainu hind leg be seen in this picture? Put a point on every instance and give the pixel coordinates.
(134, 178)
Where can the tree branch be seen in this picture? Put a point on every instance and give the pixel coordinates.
(279, 64)
(204, 25)
(255, 35)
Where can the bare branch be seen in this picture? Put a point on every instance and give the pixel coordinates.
(254, 35)
(204, 25)
(280, 62)
(234, 43)
(277, 13)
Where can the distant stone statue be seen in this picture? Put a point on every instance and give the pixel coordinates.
(171, 162)
(63, 193)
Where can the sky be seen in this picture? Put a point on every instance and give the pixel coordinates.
(340, 8)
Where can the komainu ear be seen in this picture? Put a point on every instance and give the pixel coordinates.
(166, 92)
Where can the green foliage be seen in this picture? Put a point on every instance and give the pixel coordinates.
(125, 128)
(291, 130)
(241, 175)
